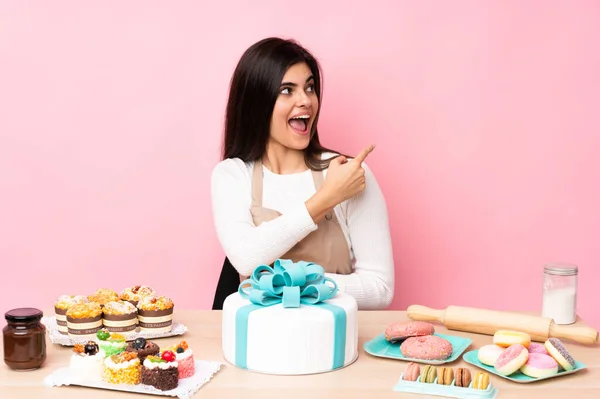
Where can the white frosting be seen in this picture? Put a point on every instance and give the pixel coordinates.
(152, 365)
(87, 368)
(110, 364)
(184, 355)
(290, 340)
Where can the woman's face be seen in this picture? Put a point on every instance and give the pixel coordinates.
(295, 109)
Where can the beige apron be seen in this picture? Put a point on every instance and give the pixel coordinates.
(326, 246)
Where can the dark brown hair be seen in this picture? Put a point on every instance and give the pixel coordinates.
(253, 92)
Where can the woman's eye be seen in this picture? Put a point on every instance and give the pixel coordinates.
(310, 88)
(285, 90)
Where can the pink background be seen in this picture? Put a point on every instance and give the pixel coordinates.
(485, 116)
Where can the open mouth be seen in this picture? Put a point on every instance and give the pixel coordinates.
(299, 123)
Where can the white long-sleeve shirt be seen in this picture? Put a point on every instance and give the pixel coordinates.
(363, 219)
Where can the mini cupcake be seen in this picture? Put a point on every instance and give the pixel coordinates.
(143, 348)
(119, 316)
(103, 295)
(185, 359)
(111, 343)
(87, 362)
(155, 314)
(161, 372)
(61, 305)
(84, 320)
(124, 368)
(135, 293)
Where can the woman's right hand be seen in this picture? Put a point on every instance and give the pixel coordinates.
(346, 178)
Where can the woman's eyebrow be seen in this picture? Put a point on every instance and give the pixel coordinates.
(292, 84)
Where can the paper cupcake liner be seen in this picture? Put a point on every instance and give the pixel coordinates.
(84, 328)
(120, 323)
(155, 320)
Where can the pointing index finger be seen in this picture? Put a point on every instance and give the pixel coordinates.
(363, 154)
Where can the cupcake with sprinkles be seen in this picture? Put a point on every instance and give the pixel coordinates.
(155, 314)
(185, 359)
(120, 316)
(61, 305)
(135, 293)
(111, 343)
(161, 372)
(84, 320)
(103, 295)
(124, 368)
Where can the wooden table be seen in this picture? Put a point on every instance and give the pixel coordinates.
(368, 377)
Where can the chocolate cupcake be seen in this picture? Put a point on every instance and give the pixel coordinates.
(161, 372)
(135, 293)
(61, 305)
(155, 314)
(143, 348)
(119, 316)
(84, 320)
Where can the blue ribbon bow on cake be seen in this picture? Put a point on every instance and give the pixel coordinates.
(288, 283)
(291, 285)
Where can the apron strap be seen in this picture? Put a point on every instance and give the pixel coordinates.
(257, 183)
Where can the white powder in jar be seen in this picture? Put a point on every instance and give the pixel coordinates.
(560, 304)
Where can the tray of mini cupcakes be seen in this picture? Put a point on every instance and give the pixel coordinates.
(110, 362)
(138, 311)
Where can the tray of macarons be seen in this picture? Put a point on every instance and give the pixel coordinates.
(514, 356)
(417, 341)
(454, 382)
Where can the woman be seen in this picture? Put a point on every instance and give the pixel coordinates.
(278, 193)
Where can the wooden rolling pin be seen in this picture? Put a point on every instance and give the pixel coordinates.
(485, 321)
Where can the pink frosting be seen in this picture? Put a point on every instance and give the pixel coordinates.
(429, 347)
(537, 348)
(541, 361)
(509, 354)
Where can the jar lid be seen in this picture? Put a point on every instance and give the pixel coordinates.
(25, 315)
(561, 269)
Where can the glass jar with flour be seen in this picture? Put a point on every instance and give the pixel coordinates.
(560, 292)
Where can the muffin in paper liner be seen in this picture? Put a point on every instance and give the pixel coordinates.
(61, 305)
(119, 316)
(84, 320)
(155, 314)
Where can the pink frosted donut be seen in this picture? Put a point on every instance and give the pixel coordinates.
(428, 347)
(539, 365)
(534, 347)
(512, 359)
(401, 330)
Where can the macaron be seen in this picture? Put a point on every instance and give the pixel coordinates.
(399, 331)
(462, 377)
(481, 380)
(488, 354)
(412, 372)
(429, 374)
(445, 375)
(559, 352)
(539, 365)
(512, 359)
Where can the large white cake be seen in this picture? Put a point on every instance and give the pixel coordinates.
(291, 340)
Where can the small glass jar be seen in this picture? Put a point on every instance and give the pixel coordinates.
(560, 292)
(24, 339)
